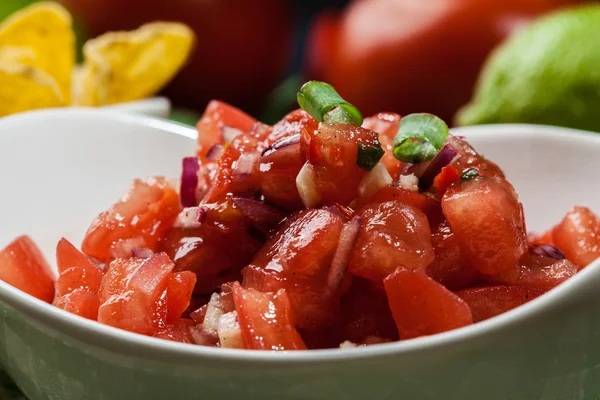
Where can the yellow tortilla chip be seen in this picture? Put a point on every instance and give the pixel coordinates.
(127, 66)
(46, 28)
(23, 87)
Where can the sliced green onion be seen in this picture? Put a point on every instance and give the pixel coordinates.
(368, 156)
(324, 104)
(419, 138)
(470, 174)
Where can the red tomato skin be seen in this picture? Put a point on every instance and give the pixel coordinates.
(279, 169)
(80, 302)
(146, 211)
(489, 301)
(180, 288)
(421, 306)
(392, 234)
(177, 331)
(544, 273)
(447, 177)
(297, 258)
(333, 150)
(206, 250)
(430, 207)
(365, 312)
(578, 236)
(23, 266)
(217, 117)
(468, 159)
(132, 294)
(266, 320)
(487, 220)
(78, 278)
(386, 125)
(450, 268)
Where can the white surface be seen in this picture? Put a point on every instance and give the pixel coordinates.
(59, 168)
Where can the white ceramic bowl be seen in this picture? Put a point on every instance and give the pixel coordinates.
(59, 168)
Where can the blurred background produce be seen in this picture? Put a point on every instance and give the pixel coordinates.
(394, 55)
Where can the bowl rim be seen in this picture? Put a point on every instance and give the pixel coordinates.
(113, 339)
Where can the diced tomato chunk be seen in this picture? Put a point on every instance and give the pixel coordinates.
(421, 306)
(146, 212)
(430, 207)
(332, 151)
(131, 291)
(448, 176)
(365, 312)
(177, 331)
(487, 220)
(488, 301)
(76, 270)
(266, 320)
(468, 158)
(392, 234)
(207, 250)
(545, 273)
(23, 266)
(80, 302)
(219, 118)
(450, 268)
(545, 238)
(386, 125)
(179, 293)
(279, 168)
(298, 258)
(578, 236)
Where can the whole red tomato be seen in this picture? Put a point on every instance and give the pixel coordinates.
(413, 55)
(243, 46)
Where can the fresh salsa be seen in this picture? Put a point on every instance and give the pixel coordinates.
(323, 230)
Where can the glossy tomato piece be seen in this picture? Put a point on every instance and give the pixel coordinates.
(386, 125)
(421, 306)
(488, 222)
(179, 293)
(238, 168)
(449, 267)
(365, 312)
(23, 266)
(218, 125)
(266, 320)
(446, 178)
(80, 302)
(298, 258)
(144, 214)
(131, 291)
(177, 331)
(544, 273)
(468, 158)
(392, 234)
(76, 270)
(281, 163)
(488, 301)
(430, 207)
(332, 151)
(207, 250)
(578, 236)
(545, 238)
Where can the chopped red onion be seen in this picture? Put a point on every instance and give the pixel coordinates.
(189, 181)
(307, 188)
(229, 133)
(548, 251)
(281, 143)
(263, 217)
(124, 247)
(142, 252)
(190, 218)
(215, 152)
(445, 156)
(342, 253)
(246, 164)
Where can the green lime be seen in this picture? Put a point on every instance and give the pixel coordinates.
(549, 74)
